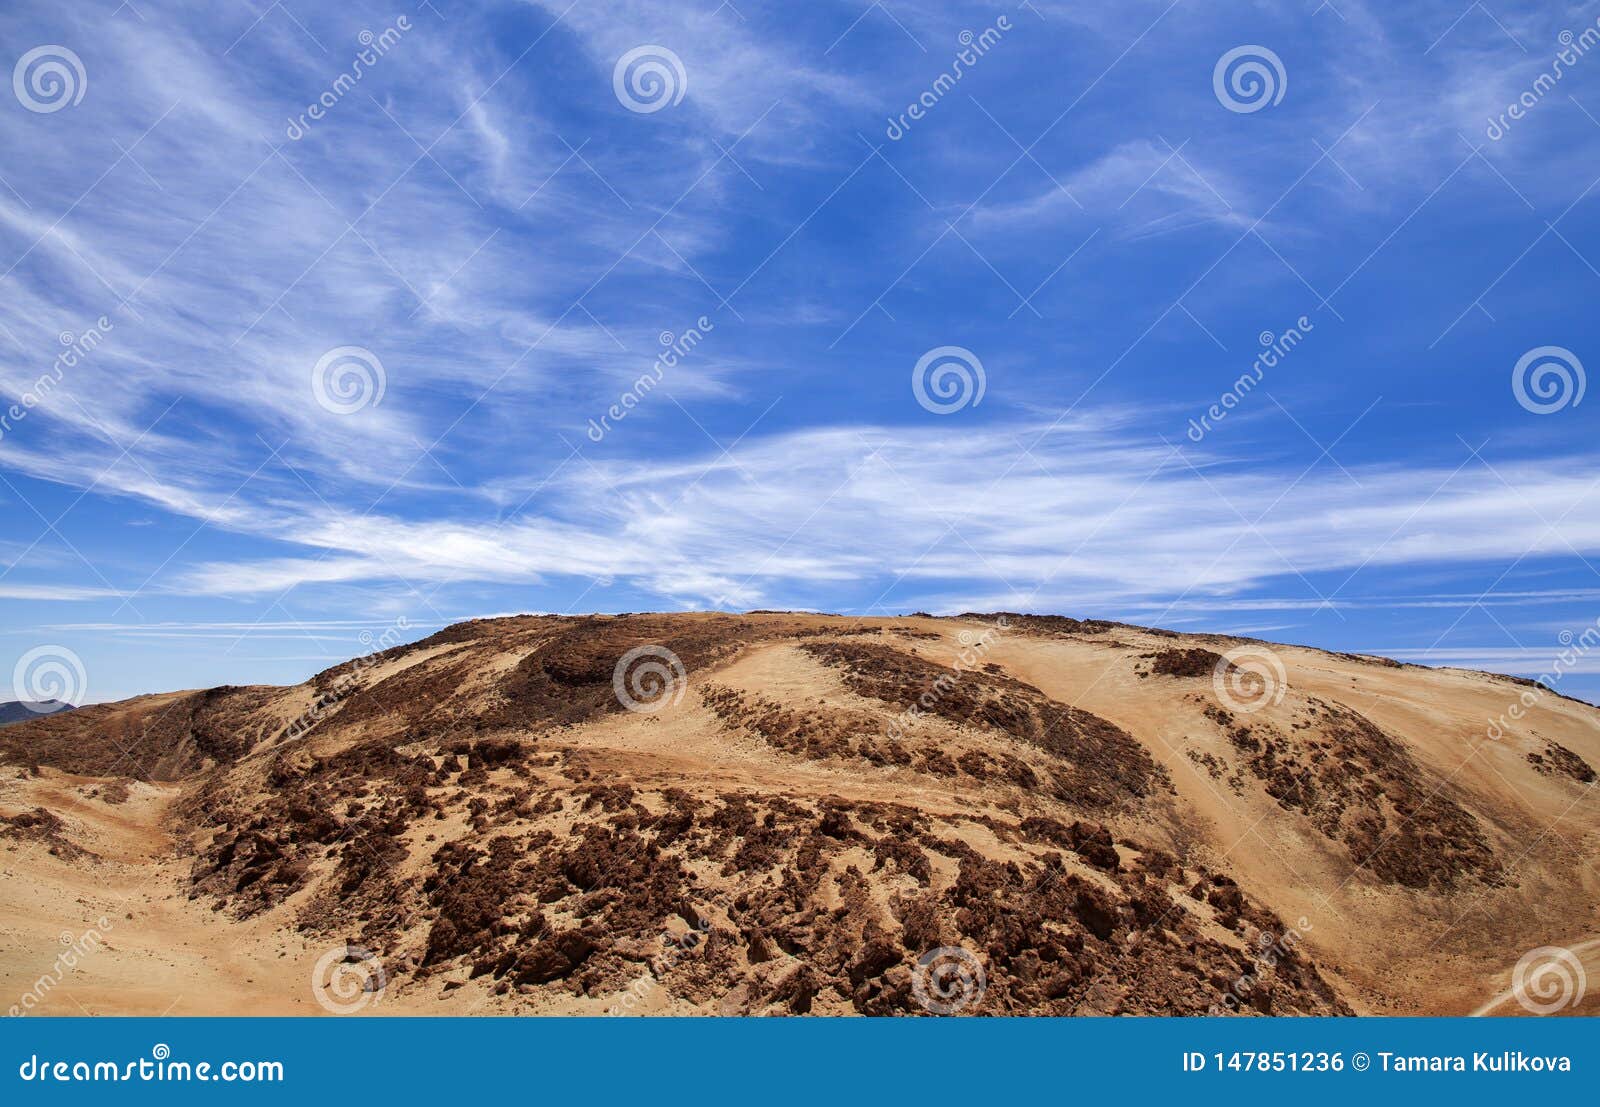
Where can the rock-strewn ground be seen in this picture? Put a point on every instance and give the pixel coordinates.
(809, 814)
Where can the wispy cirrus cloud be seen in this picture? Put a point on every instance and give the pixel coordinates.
(1083, 514)
(514, 245)
(1145, 185)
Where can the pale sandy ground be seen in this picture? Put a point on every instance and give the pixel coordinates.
(158, 952)
(1389, 950)
(1378, 941)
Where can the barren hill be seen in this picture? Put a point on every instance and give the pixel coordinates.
(779, 813)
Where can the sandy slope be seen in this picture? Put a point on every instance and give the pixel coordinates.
(481, 814)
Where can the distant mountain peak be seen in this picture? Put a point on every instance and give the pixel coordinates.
(20, 711)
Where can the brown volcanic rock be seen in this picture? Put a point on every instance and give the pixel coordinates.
(828, 806)
(1556, 758)
(1196, 662)
(1361, 786)
(1099, 763)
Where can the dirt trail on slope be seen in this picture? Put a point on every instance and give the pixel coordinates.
(1560, 990)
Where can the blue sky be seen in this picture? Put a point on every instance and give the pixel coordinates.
(504, 231)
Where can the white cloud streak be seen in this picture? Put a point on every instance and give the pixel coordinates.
(1083, 515)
